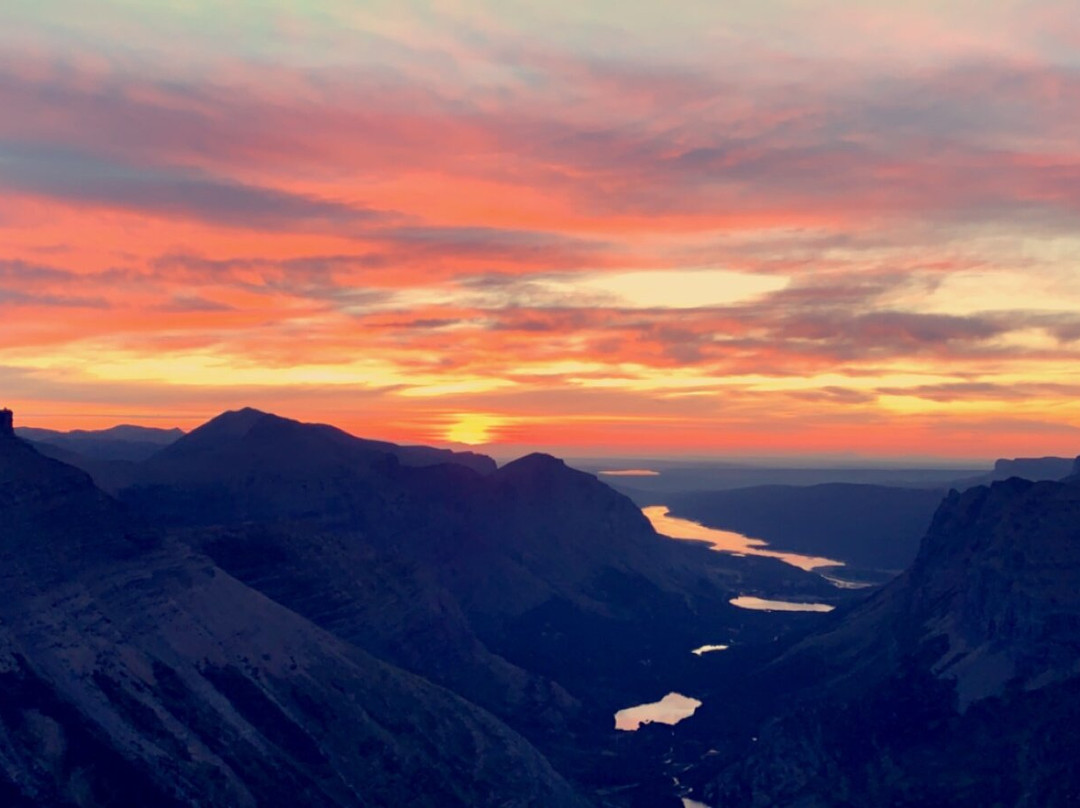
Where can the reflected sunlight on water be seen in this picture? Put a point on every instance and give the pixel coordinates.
(707, 648)
(671, 709)
(761, 604)
(727, 541)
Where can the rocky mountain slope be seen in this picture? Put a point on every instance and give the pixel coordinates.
(535, 590)
(135, 672)
(283, 567)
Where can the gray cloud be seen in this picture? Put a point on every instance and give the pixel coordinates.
(83, 177)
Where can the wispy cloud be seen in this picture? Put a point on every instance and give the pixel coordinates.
(727, 225)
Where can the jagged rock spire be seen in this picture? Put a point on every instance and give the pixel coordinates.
(7, 423)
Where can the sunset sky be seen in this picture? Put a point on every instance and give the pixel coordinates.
(709, 228)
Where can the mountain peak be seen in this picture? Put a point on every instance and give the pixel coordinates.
(236, 422)
(536, 461)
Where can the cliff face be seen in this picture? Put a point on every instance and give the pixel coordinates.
(996, 580)
(134, 672)
(959, 683)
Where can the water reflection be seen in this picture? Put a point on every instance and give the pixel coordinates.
(707, 648)
(727, 541)
(844, 583)
(671, 709)
(630, 473)
(689, 803)
(748, 602)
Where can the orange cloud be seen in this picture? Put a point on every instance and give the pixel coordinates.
(446, 240)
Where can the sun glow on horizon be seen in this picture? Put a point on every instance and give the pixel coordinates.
(473, 429)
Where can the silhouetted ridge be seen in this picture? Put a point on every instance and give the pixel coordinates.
(121, 433)
(276, 439)
(1033, 468)
(7, 423)
(1028, 468)
(232, 423)
(534, 465)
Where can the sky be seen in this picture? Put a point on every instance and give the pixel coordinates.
(686, 228)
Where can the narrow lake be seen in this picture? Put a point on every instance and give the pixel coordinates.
(727, 541)
(671, 709)
(761, 604)
(706, 649)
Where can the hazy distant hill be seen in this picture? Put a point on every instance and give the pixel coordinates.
(110, 456)
(133, 443)
(1027, 468)
(673, 477)
(133, 673)
(957, 684)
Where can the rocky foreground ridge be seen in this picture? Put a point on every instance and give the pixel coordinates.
(134, 673)
(957, 684)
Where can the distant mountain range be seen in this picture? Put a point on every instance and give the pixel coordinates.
(117, 443)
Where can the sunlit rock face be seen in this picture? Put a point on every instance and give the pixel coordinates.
(134, 672)
(920, 695)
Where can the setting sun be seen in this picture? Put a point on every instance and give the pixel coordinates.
(473, 428)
